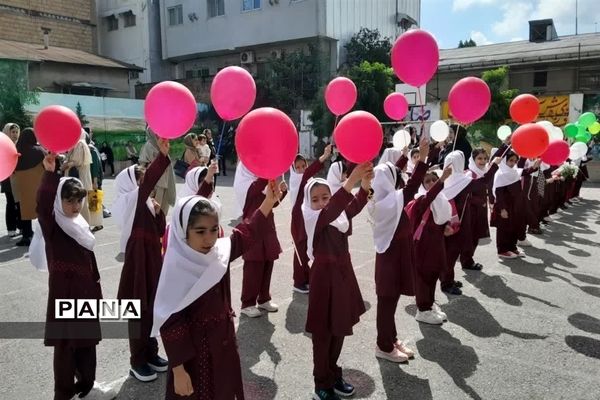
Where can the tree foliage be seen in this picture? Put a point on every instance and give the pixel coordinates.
(467, 43)
(14, 93)
(368, 45)
(81, 115)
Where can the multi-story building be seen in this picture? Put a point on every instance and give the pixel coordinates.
(129, 31)
(202, 37)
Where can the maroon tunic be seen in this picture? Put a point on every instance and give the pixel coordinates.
(73, 273)
(394, 267)
(301, 260)
(205, 189)
(202, 336)
(334, 303)
(143, 259)
(267, 248)
(479, 199)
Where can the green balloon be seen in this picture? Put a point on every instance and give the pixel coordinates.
(571, 130)
(594, 128)
(587, 119)
(583, 137)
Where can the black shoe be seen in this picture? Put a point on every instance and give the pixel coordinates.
(325, 394)
(458, 284)
(24, 242)
(159, 364)
(474, 267)
(304, 288)
(452, 290)
(143, 373)
(343, 388)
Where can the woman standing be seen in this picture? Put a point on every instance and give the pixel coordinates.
(108, 158)
(28, 176)
(131, 153)
(12, 217)
(165, 188)
(191, 155)
(80, 158)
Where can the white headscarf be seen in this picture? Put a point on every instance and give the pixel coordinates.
(458, 180)
(440, 206)
(410, 166)
(506, 176)
(241, 183)
(473, 167)
(77, 228)
(186, 273)
(295, 179)
(386, 208)
(335, 177)
(311, 216)
(125, 203)
(390, 155)
(191, 186)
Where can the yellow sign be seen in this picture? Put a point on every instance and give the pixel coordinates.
(554, 109)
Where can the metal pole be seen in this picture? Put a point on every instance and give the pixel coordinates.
(576, 7)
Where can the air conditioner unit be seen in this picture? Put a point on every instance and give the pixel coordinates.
(276, 54)
(247, 57)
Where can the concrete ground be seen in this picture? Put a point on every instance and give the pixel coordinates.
(524, 329)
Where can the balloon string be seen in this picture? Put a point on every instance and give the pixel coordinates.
(219, 150)
(506, 151)
(422, 112)
(456, 136)
(334, 126)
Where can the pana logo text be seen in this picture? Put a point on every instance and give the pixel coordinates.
(97, 309)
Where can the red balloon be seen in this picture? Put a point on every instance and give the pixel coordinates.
(530, 140)
(266, 141)
(358, 136)
(57, 128)
(524, 108)
(170, 109)
(395, 106)
(340, 95)
(415, 57)
(8, 155)
(469, 99)
(556, 153)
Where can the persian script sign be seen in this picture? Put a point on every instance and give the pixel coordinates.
(554, 109)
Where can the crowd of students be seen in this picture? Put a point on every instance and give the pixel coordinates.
(181, 271)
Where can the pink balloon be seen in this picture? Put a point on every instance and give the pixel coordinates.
(556, 153)
(415, 57)
(170, 109)
(8, 155)
(266, 141)
(233, 92)
(340, 95)
(358, 136)
(469, 99)
(395, 106)
(57, 128)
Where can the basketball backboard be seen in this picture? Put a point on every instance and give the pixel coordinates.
(415, 96)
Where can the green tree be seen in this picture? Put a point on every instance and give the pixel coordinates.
(81, 115)
(374, 81)
(14, 93)
(467, 43)
(368, 45)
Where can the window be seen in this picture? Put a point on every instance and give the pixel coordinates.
(189, 74)
(540, 78)
(129, 18)
(112, 23)
(175, 15)
(215, 8)
(203, 73)
(248, 5)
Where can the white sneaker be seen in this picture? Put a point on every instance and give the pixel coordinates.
(269, 306)
(251, 312)
(12, 234)
(429, 317)
(439, 311)
(524, 243)
(100, 392)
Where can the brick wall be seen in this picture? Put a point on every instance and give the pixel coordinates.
(19, 26)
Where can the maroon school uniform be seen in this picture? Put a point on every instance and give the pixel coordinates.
(205, 189)
(301, 260)
(143, 262)
(335, 303)
(394, 268)
(202, 335)
(532, 200)
(259, 259)
(430, 249)
(73, 274)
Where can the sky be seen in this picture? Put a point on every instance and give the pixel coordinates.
(497, 21)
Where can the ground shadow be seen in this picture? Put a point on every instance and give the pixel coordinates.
(591, 290)
(472, 316)
(584, 345)
(533, 270)
(12, 253)
(132, 389)
(401, 385)
(459, 361)
(585, 322)
(363, 383)
(495, 287)
(295, 316)
(254, 338)
(120, 257)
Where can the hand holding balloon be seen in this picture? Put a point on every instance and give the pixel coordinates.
(163, 146)
(50, 162)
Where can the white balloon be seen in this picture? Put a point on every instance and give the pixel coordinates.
(439, 131)
(503, 132)
(578, 150)
(556, 134)
(401, 139)
(547, 125)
